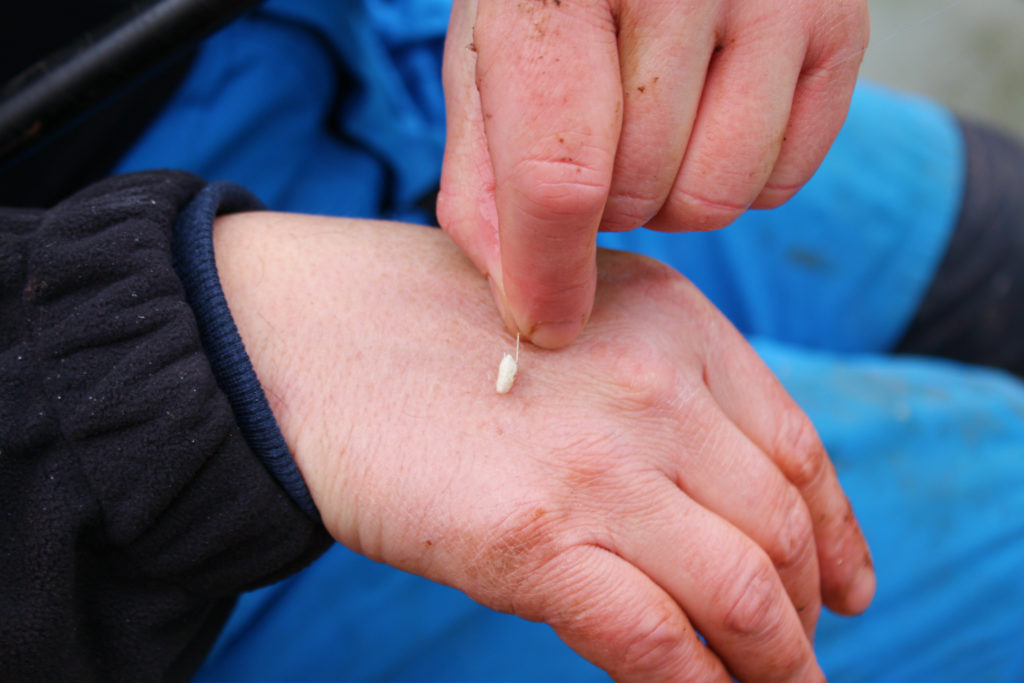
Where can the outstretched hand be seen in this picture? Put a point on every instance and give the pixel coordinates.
(648, 483)
(566, 116)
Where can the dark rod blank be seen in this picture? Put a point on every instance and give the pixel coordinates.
(54, 91)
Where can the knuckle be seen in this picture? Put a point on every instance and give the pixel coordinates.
(626, 211)
(844, 29)
(694, 210)
(559, 187)
(647, 369)
(656, 280)
(799, 448)
(447, 209)
(654, 644)
(458, 212)
(844, 539)
(642, 375)
(774, 196)
(753, 607)
(794, 540)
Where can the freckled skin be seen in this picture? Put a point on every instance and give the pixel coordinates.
(643, 486)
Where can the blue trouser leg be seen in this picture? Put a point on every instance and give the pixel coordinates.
(846, 262)
(928, 452)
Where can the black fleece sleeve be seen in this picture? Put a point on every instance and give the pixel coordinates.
(132, 508)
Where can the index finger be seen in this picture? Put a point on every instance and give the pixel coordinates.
(551, 95)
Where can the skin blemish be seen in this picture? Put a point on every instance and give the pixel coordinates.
(643, 88)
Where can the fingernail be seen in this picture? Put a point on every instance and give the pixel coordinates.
(862, 588)
(551, 335)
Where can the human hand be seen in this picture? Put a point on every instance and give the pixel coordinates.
(650, 482)
(566, 116)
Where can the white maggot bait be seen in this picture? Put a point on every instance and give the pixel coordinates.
(507, 370)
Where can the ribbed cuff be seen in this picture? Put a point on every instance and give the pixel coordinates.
(194, 262)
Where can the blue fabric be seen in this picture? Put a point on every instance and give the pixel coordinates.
(335, 107)
(930, 454)
(348, 618)
(845, 264)
(194, 262)
(303, 105)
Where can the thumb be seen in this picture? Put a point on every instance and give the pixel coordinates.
(550, 96)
